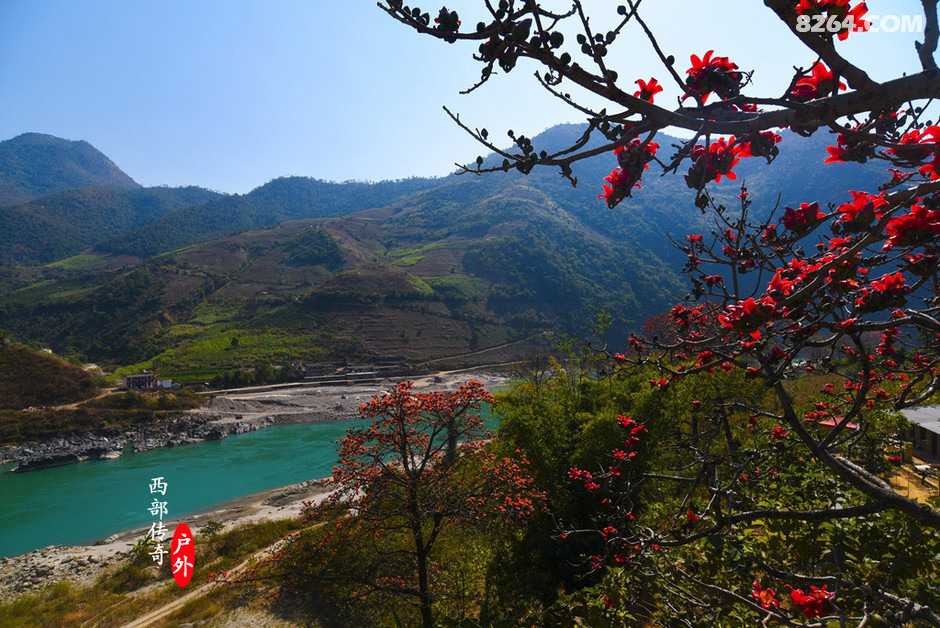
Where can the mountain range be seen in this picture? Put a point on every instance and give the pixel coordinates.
(454, 270)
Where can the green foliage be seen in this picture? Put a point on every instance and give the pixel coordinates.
(287, 198)
(32, 378)
(884, 547)
(316, 247)
(562, 419)
(34, 165)
(67, 223)
(184, 399)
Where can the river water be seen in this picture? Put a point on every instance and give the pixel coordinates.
(89, 501)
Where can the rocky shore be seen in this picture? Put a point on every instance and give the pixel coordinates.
(33, 571)
(222, 416)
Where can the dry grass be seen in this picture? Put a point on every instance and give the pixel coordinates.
(909, 483)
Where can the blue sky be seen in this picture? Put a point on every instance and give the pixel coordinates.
(228, 94)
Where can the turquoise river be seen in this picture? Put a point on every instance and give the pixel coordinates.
(89, 501)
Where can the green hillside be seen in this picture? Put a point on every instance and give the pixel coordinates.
(428, 278)
(467, 269)
(31, 378)
(33, 165)
(61, 225)
(289, 198)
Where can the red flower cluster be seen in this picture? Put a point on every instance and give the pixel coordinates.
(723, 154)
(783, 282)
(762, 144)
(711, 163)
(683, 316)
(921, 226)
(850, 149)
(648, 90)
(887, 292)
(860, 213)
(812, 604)
(633, 159)
(748, 316)
(802, 219)
(818, 84)
(765, 597)
(713, 75)
(917, 146)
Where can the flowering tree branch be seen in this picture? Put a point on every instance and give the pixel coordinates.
(844, 296)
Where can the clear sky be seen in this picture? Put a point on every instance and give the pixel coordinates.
(228, 94)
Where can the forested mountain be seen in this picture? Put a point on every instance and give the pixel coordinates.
(289, 198)
(64, 224)
(34, 165)
(414, 270)
(445, 272)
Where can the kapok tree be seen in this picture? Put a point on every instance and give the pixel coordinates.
(852, 285)
(418, 472)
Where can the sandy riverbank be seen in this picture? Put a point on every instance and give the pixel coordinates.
(84, 564)
(255, 409)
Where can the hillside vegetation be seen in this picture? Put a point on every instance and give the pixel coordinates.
(31, 378)
(34, 165)
(451, 271)
(62, 225)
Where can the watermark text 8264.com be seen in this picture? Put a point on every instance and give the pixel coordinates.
(873, 23)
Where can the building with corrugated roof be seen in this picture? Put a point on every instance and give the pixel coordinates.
(924, 430)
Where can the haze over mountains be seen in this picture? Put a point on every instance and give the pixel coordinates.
(471, 269)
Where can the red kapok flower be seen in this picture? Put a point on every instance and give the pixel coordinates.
(861, 212)
(917, 146)
(633, 159)
(920, 226)
(803, 218)
(836, 12)
(748, 316)
(765, 597)
(762, 144)
(811, 604)
(718, 75)
(818, 84)
(648, 90)
(710, 165)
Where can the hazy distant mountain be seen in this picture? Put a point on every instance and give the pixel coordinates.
(455, 270)
(287, 198)
(34, 165)
(64, 224)
(421, 269)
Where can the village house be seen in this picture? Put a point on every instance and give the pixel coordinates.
(924, 431)
(140, 381)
